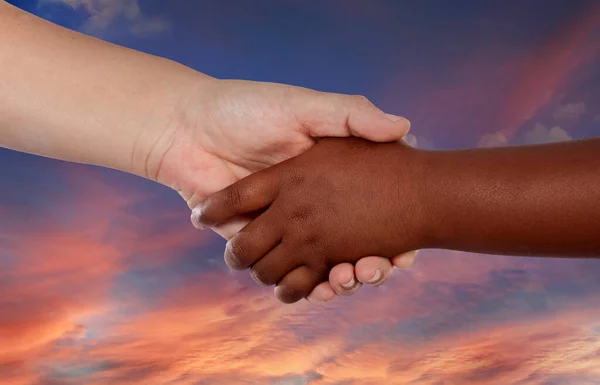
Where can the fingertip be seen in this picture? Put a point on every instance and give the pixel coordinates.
(297, 284)
(406, 260)
(195, 218)
(286, 295)
(204, 215)
(399, 121)
(322, 293)
(233, 261)
(373, 270)
(342, 279)
(342, 275)
(375, 125)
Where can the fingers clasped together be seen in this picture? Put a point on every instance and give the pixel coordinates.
(341, 201)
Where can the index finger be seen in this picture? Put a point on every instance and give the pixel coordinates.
(251, 194)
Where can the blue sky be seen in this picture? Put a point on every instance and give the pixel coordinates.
(103, 280)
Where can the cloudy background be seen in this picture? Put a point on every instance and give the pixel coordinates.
(103, 280)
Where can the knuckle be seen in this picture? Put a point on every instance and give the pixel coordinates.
(312, 239)
(233, 198)
(313, 243)
(361, 99)
(320, 267)
(297, 179)
(300, 214)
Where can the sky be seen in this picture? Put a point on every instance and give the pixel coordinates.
(104, 281)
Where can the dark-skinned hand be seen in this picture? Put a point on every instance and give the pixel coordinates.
(337, 202)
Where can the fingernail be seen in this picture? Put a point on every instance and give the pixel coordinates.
(376, 277)
(195, 218)
(394, 118)
(350, 284)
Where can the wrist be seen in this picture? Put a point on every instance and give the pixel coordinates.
(72, 97)
(168, 113)
(406, 220)
(427, 200)
(437, 196)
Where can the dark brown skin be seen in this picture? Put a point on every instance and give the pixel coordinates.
(348, 198)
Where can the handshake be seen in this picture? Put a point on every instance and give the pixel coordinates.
(338, 200)
(343, 199)
(347, 198)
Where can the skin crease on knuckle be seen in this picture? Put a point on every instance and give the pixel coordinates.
(300, 214)
(233, 198)
(305, 232)
(311, 211)
(317, 253)
(308, 217)
(312, 239)
(297, 179)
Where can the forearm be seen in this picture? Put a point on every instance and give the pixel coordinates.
(73, 97)
(535, 200)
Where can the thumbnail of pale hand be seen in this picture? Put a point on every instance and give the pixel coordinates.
(69, 96)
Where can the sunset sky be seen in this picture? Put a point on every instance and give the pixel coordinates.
(104, 281)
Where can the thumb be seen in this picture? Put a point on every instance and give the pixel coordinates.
(228, 229)
(326, 114)
(404, 261)
(367, 121)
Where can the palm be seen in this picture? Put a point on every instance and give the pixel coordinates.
(250, 128)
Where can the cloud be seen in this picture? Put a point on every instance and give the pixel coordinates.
(411, 140)
(492, 90)
(419, 142)
(546, 71)
(56, 282)
(71, 313)
(59, 264)
(104, 13)
(541, 134)
(215, 328)
(552, 351)
(537, 135)
(496, 139)
(199, 333)
(571, 111)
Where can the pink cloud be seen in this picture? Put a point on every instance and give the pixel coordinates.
(491, 93)
(58, 272)
(532, 352)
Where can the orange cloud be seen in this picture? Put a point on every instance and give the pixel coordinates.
(212, 327)
(60, 314)
(531, 352)
(58, 270)
(58, 280)
(200, 332)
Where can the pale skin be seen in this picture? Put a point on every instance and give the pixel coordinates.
(68, 96)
